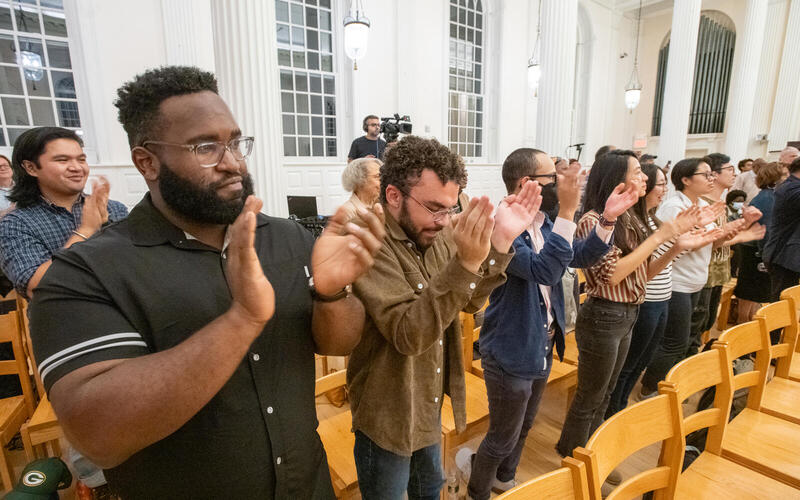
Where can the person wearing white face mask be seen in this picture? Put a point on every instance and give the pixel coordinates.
(734, 200)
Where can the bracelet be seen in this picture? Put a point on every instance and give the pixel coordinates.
(81, 235)
(341, 294)
(608, 224)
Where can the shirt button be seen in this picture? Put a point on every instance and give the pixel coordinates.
(269, 410)
(409, 244)
(438, 370)
(436, 400)
(491, 262)
(278, 460)
(472, 286)
(224, 256)
(419, 285)
(256, 357)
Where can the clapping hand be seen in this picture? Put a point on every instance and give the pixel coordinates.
(345, 251)
(698, 238)
(515, 214)
(472, 232)
(570, 182)
(620, 200)
(95, 208)
(751, 214)
(711, 213)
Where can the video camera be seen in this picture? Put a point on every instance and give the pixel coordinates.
(392, 127)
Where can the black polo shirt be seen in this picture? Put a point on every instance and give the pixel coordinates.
(140, 287)
(362, 147)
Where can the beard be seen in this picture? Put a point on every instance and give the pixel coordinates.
(200, 203)
(411, 229)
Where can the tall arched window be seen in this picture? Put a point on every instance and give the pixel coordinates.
(37, 87)
(712, 75)
(465, 99)
(308, 80)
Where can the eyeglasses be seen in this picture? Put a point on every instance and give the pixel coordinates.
(661, 184)
(439, 215)
(552, 177)
(209, 154)
(707, 175)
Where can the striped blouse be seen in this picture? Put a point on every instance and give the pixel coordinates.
(630, 290)
(659, 288)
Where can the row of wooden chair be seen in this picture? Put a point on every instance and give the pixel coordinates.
(29, 414)
(752, 456)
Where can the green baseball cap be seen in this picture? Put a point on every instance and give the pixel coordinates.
(40, 479)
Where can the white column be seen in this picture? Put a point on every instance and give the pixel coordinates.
(558, 39)
(246, 61)
(786, 112)
(680, 77)
(743, 88)
(188, 35)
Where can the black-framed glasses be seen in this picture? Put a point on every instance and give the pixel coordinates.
(439, 215)
(707, 175)
(209, 154)
(553, 177)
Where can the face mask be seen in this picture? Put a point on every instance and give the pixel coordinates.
(550, 200)
(738, 205)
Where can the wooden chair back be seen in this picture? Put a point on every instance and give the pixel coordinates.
(330, 382)
(711, 368)
(468, 335)
(751, 338)
(781, 315)
(632, 429)
(10, 332)
(567, 483)
(27, 345)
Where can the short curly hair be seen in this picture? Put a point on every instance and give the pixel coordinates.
(406, 159)
(354, 175)
(138, 100)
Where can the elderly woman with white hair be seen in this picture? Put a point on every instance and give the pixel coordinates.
(362, 177)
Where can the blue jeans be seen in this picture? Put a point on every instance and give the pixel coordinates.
(675, 342)
(603, 333)
(386, 475)
(513, 403)
(647, 333)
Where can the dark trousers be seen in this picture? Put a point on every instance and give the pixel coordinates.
(386, 475)
(781, 279)
(675, 341)
(704, 315)
(513, 403)
(603, 333)
(647, 333)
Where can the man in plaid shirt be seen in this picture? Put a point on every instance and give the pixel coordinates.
(50, 172)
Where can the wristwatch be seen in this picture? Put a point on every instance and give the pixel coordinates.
(341, 294)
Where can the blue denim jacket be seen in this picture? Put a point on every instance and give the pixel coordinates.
(514, 330)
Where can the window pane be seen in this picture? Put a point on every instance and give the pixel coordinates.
(313, 60)
(330, 106)
(316, 109)
(15, 111)
(42, 111)
(288, 124)
(32, 45)
(2, 138)
(302, 103)
(287, 102)
(289, 146)
(56, 4)
(311, 17)
(330, 147)
(282, 11)
(325, 42)
(41, 88)
(286, 80)
(330, 126)
(330, 86)
(316, 84)
(302, 125)
(303, 146)
(13, 133)
(297, 14)
(7, 53)
(10, 81)
(5, 20)
(327, 63)
(325, 3)
(68, 114)
(54, 23)
(284, 57)
(301, 81)
(58, 54)
(311, 39)
(318, 146)
(298, 59)
(325, 20)
(298, 37)
(283, 33)
(26, 20)
(316, 125)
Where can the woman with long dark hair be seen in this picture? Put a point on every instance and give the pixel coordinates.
(615, 287)
(652, 319)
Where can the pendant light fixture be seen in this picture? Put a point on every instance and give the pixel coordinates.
(633, 91)
(356, 33)
(534, 63)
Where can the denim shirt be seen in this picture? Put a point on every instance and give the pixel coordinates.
(514, 331)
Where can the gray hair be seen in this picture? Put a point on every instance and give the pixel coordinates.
(355, 173)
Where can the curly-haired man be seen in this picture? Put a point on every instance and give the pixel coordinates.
(433, 264)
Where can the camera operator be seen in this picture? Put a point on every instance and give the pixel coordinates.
(369, 145)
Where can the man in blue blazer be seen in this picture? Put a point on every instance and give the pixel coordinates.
(782, 249)
(525, 317)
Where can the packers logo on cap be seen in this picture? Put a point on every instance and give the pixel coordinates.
(34, 478)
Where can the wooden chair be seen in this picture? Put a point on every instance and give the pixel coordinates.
(710, 476)
(338, 439)
(42, 432)
(725, 304)
(628, 431)
(567, 483)
(757, 440)
(794, 366)
(781, 396)
(15, 410)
